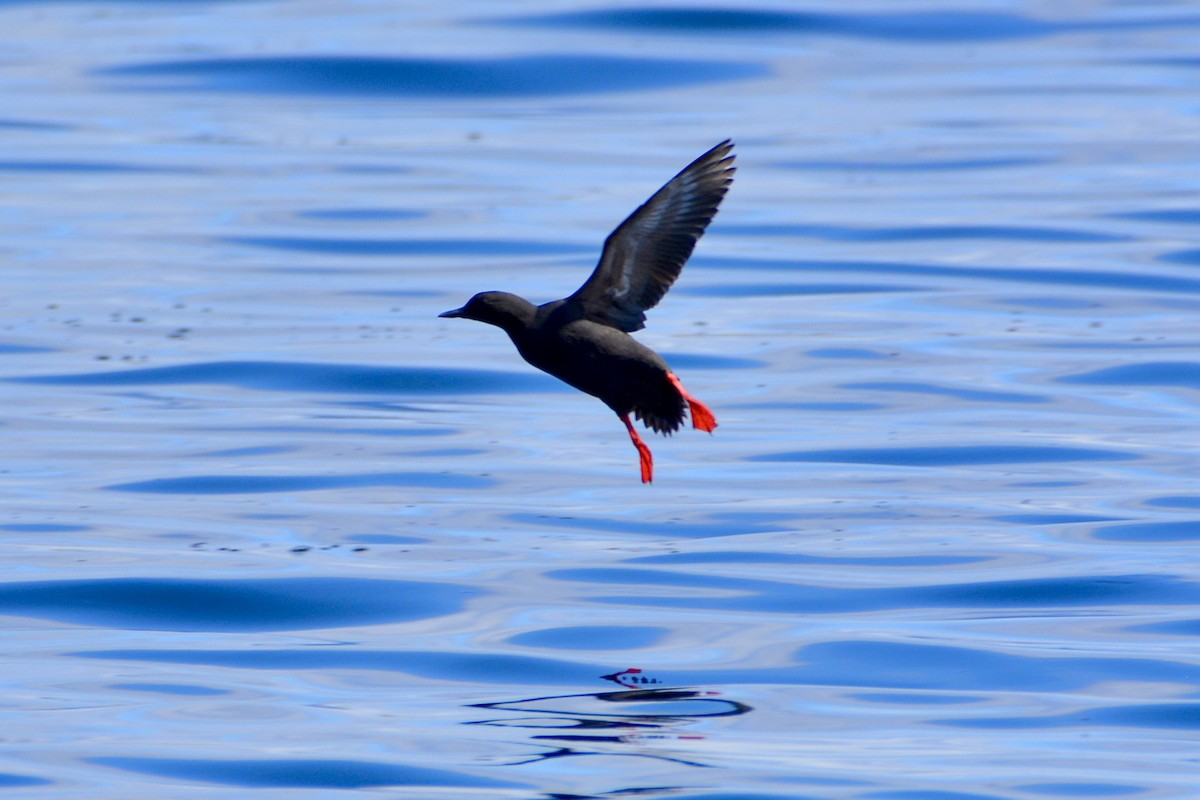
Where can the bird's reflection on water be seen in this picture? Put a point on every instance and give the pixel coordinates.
(636, 722)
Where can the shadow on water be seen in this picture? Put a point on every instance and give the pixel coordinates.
(267, 604)
(516, 76)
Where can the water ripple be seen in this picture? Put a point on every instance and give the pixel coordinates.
(408, 247)
(1159, 373)
(265, 484)
(298, 773)
(312, 377)
(950, 455)
(916, 233)
(1179, 716)
(926, 667)
(745, 594)
(973, 395)
(10, 781)
(517, 76)
(917, 26)
(267, 604)
(1172, 531)
(1130, 281)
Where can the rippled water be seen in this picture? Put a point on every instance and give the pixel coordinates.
(270, 524)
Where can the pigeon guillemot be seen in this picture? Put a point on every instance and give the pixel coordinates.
(584, 339)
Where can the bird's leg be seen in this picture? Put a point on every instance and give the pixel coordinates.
(702, 418)
(646, 460)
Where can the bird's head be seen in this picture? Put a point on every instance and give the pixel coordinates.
(504, 310)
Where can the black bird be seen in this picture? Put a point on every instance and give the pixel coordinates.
(584, 339)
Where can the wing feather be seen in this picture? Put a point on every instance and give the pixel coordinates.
(646, 252)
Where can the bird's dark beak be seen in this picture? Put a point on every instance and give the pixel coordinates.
(456, 313)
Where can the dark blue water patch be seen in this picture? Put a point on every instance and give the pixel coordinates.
(949, 456)
(1175, 501)
(312, 377)
(958, 393)
(8, 780)
(760, 557)
(1049, 519)
(1175, 531)
(298, 773)
(516, 76)
(735, 290)
(1158, 373)
(263, 450)
(406, 247)
(712, 526)
(945, 26)
(268, 484)
(173, 689)
(383, 538)
(1157, 716)
(43, 527)
(1081, 789)
(37, 165)
(591, 637)
(857, 353)
(958, 669)
(745, 594)
(1130, 281)
(704, 361)
(917, 233)
(1183, 216)
(1175, 627)
(267, 604)
(918, 164)
(361, 214)
(1190, 258)
(11, 123)
(22, 349)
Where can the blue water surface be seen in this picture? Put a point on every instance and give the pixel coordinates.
(273, 527)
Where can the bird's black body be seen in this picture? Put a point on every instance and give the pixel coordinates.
(584, 339)
(597, 359)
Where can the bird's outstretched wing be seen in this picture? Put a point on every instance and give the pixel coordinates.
(645, 254)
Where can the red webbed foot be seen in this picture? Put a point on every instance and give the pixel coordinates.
(702, 418)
